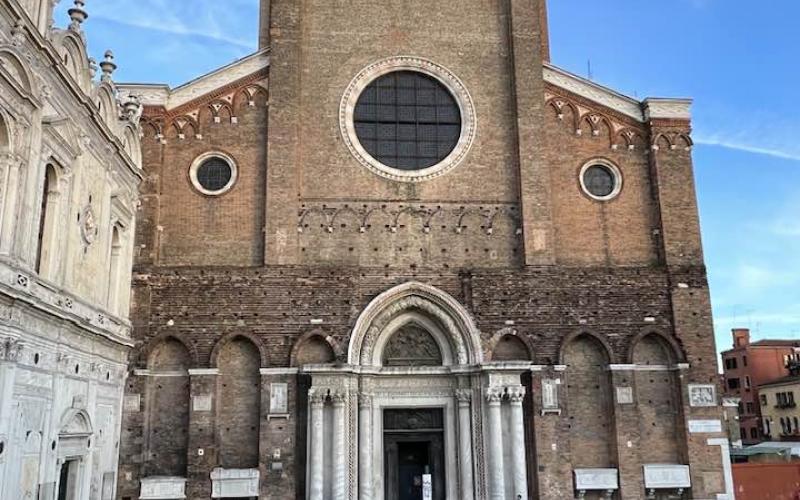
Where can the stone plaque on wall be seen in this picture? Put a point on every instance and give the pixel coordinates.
(201, 403)
(705, 426)
(702, 395)
(667, 476)
(279, 398)
(625, 395)
(596, 479)
(132, 403)
(550, 395)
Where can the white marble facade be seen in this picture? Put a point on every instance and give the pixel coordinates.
(69, 171)
(484, 444)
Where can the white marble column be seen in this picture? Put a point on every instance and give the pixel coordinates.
(9, 351)
(464, 397)
(339, 450)
(519, 468)
(365, 447)
(494, 398)
(316, 467)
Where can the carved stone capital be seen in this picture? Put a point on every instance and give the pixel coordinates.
(365, 400)
(10, 349)
(464, 396)
(316, 397)
(516, 394)
(494, 395)
(338, 398)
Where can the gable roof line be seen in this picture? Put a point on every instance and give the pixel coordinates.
(641, 111)
(169, 98)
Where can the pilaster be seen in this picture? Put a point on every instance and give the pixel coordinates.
(534, 176)
(202, 450)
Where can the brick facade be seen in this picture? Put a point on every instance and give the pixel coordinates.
(278, 271)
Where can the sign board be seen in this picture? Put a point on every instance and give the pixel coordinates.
(705, 426)
(427, 487)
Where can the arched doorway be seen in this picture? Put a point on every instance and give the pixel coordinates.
(74, 443)
(416, 407)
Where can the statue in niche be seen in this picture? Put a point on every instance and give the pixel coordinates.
(412, 345)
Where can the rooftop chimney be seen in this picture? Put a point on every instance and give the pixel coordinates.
(741, 337)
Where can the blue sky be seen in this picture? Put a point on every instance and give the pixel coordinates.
(738, 60)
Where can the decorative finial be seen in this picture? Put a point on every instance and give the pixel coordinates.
(78, 15)
(107, 66)
(133, 108)
(92, 67)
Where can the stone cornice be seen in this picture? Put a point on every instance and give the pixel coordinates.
(50, 300)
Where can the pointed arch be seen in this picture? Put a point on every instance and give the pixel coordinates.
(262, 353)
(565, 343)
(433, 309)
(154, 343)
(669, 344)
(316, 345)
(508, 344)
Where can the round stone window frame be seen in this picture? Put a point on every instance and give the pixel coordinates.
(441, 74)
(200, 160)
(615, 171)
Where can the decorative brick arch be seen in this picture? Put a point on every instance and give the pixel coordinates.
(669, 341)
(147, 351)
(262, 352)
(509, 332)
(308, 336)
(453, 321)
(565, 342)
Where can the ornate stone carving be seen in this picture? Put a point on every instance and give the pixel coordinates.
(316, 397)
(89, 227)
(702, 395)
(412, 346)
(549, 395)
(10, 349)
(365, 400)
(494, 395)
(516, 394)
(338, 398)
(464, 396)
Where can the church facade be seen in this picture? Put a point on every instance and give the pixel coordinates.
(398, 254)
(69, 175)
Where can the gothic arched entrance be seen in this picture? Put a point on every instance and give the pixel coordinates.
(415, 407)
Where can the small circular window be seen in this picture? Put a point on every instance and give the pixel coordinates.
(407, 119)
(213, 173)
(601, 180)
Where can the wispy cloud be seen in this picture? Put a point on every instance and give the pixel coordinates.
(748, 148)
(209, 19)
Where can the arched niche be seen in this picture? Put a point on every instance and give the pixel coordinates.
(442, 316)
(658, 399)
(11, 63)
(507, 346)
(588, 402)
(313, 349)
(239, 403)
(167, 405)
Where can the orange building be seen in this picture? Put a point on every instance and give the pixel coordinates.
(748, 365)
